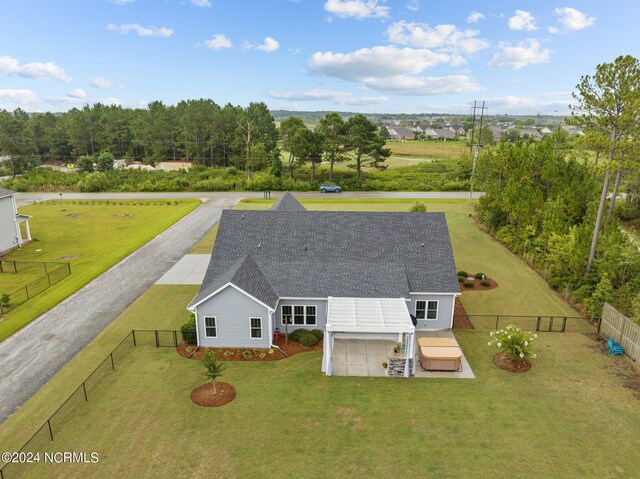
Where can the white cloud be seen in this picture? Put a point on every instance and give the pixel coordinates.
(573, 19)
(36, 70)
(269, 45)
(553, 30)
(522, 21)
(381, 61)
(201, 3)
(445, 37)
(392, 69)
(102, 83)
(141, 31)
(358, 9)
(218, 42)
(18, 96)
(413, 5)
(475, 17)
(547, 102)
(519, 55)
(77, 93)
(333, 96)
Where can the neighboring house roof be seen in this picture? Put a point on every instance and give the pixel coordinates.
(287, 203)
(316, 254)
(5, 192)
(446, 133)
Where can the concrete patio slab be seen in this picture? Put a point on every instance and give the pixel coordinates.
(190, 269)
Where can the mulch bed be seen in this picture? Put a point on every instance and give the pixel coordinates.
(504, 361)
(255, 354)
(478, 287)
(203, 395)
(460, 318)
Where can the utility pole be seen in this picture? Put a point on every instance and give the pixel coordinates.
(473, 128)
(477, 145)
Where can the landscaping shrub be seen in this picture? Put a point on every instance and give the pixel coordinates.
(514, 341)
(317, 333)
(295, 335)
(418, 207)
(479, 275)
(188, 331)
(460, 279)
(464, 274)
(485, 283)
(468, 284)
(246, 354)
(308, 339)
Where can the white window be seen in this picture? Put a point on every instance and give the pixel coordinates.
(310, 315)
(256, 328)
(210, 330)
(299, 315)
(426, 309)
(287, 314)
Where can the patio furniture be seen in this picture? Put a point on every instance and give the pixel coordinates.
(615, 348)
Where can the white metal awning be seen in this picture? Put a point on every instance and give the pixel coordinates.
(368, 315)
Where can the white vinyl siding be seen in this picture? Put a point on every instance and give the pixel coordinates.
(210, 327)
(299, 315)
(433, 311)
(256, 328)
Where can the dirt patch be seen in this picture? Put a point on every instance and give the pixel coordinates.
(203, 395)
(67, 258)
(124, 214)
(460, 318)
(248, 354)
(74, 215)
(477, 286)
(623, 369)
(504, 361)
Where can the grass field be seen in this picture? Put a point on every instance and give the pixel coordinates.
(26, 273)
(92, 236)
(443, 150)
(569, 416)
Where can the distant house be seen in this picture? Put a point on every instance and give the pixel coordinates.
(431, 134)
(11, 223)
(173, 165)
(120, 163)
(399, 133)
(530, 133)
(138, 165)
(445, 134)
(573, 130)
(460, 131)
(544, 131)
(351, 275)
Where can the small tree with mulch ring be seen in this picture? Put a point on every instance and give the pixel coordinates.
(213, 368)
(515, 345)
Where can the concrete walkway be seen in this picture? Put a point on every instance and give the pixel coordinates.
(189, 270)
(30, 357)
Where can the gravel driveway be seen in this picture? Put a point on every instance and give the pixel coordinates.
(30, 357)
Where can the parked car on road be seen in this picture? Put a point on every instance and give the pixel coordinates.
(329, 188)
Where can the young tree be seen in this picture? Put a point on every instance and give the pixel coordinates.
(365, 143)
(307, 145)
(331, 126)
(288, 128)
(213, 368)
(608, 109)
(105, 162)
(85, 164)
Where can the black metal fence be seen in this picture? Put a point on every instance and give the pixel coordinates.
(541, 324)
(52, 273)
(88, 389)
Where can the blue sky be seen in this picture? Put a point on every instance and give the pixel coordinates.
(349, 55)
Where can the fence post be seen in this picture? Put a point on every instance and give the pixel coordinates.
(50, 431)
(46, 271)
(113, 366)
(538, 324)
(133, 331)
(84, 388)
(175, 338)
(69, 267)
(564, 324)
(550, 325)
(157, 339)
(49, 279)
(26, 288)
(497, 318)
(599, 325)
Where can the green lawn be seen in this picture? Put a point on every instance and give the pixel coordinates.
(26, 273)
(443, 150)
(205, 245)
(569, 416)
(92, 236)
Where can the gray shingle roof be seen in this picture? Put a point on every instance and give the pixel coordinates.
(287, 203)
(5, 192)
(317, 254)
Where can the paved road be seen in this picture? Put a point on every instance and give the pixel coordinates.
(28, 198)
(30, 357)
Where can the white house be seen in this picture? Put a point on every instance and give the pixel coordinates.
(11, 223)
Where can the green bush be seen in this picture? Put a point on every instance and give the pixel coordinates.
(246, 354)
(188, 331)
(460, 279)
(479, 275)
(308, 339)
(485, 283)
(418, 207)
(317, 333)
(463, 273)
(468, 284)
(513, 340)
(295, 335)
